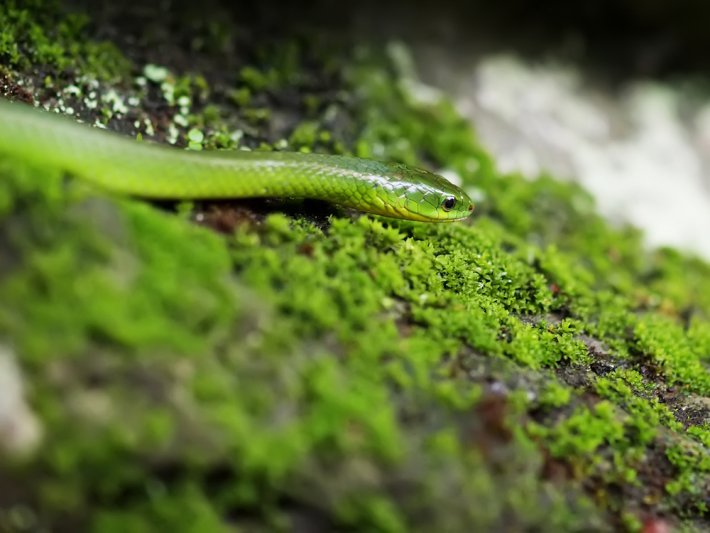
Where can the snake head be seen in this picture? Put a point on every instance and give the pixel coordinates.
(423, 195)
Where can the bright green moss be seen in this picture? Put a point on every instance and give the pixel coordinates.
(701, 433)
(35, 34)
(584, 432)
(682, 280)
(315, 407)
(666, 343)
(555, 395)
(599, 442)
(692, 463)
(699, 338)
(622, 386)
(305, 134)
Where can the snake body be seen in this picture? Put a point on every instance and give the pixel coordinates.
(127, 166)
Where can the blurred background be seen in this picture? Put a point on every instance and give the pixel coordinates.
(613, 94)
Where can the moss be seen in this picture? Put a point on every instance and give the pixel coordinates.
(257, 115)
(584, 432)
(647, 415)
(701, 433)
(631, 522)
(303, 365)
(258, 80)
(692, 480)
(335, 411)
(306, 134)
(241, 97)
(555, 395)
(666, 343)
(35, 34)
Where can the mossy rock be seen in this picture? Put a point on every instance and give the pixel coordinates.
(288, 366)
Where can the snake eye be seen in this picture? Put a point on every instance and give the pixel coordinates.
(448, 203)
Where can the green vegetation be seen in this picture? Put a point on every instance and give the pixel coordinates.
(257, 366)
(34, 35)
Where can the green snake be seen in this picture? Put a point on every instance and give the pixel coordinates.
(150, 170)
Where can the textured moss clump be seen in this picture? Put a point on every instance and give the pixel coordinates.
(276, 366)
(35, 35)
